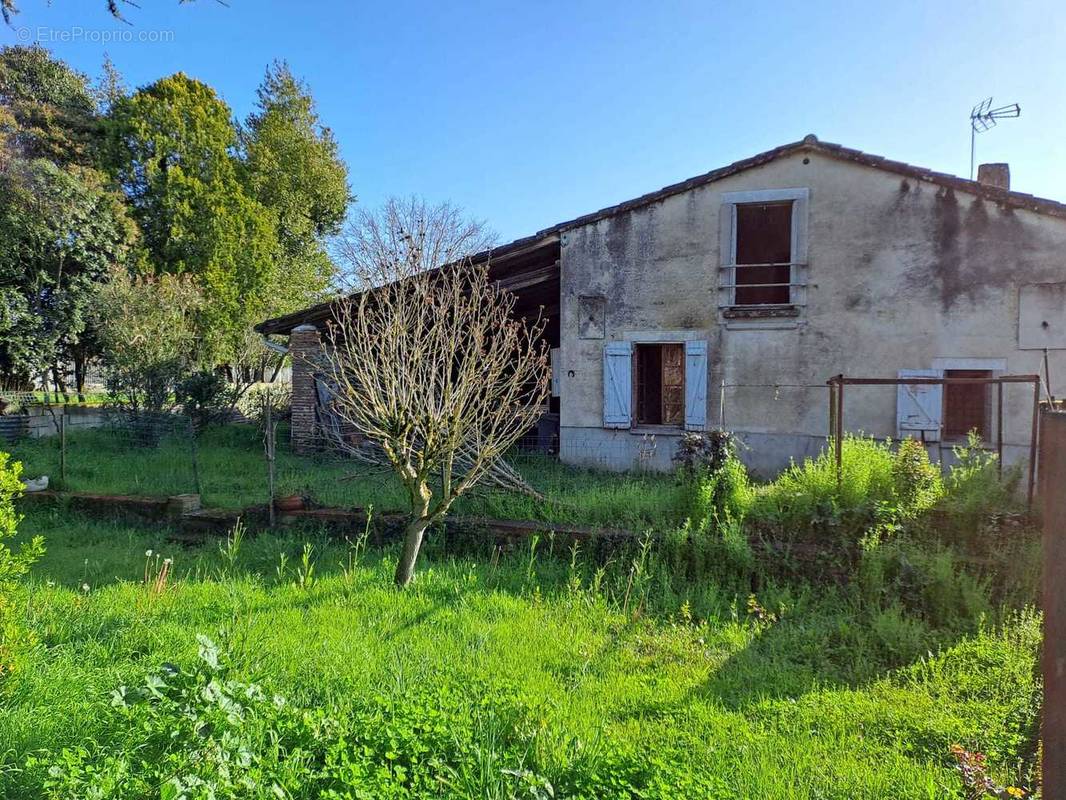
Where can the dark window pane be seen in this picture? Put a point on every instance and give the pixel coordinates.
(966, 405)
(660, 384)
(764, 236)
(649, 384)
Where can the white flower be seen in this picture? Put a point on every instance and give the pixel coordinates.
(148, 553)
(85, 587)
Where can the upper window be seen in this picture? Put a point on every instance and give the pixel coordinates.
(764, 254)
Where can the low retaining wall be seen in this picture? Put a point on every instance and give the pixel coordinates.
(130, 507)
(192, 523)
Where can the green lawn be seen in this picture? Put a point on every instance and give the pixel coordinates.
(496, 680)
(233, 474)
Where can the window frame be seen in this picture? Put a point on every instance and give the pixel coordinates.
(798, 264)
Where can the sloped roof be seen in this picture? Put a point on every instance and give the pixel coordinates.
(812, 144)
(808, 144)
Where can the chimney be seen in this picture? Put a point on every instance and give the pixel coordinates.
(995, 175)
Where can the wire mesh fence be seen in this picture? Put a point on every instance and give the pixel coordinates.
(109, 451)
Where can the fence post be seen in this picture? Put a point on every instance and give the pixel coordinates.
(63, 450)
(1053, 494)
(270, 443)
(838, 434)
(195, 456)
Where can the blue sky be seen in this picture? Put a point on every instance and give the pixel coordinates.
(529, 113)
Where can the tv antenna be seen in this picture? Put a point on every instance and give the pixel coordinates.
(982, 118)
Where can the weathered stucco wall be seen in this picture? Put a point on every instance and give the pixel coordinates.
(901, 272)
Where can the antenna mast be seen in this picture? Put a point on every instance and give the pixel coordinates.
(982, 118)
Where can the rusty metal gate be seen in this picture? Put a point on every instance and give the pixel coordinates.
(1053, 493)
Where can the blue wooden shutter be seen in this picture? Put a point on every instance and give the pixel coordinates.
(919, 407)
(617, 384)
(696, 385)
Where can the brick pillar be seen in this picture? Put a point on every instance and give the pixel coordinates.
(305, 346)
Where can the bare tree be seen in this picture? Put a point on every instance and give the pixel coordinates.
(431, 364)
(403, 237)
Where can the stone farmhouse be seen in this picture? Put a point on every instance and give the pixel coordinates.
(730, 298)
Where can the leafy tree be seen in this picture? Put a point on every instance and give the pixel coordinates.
(172, 146)
(147, 326)
(292, 166)
(50, 107)
(63, 229)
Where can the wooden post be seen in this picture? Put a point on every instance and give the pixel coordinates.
(194, 454)
(832, 424)
(1034, 444)
(839, 433)
(269, 443)
(63, 449)
(1053, 495)
(999, 426)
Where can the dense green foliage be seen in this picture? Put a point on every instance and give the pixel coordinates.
(877, 486)
(63, 229)
(52, 111)
(161, 181)
(171, 146)
(509, 677)
(292, 167)
(148, 332)
(14, 638)
(62, 224)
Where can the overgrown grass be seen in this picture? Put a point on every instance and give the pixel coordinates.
(233, 473)
(500, 677)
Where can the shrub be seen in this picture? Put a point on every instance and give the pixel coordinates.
(879, 490)
(146, 328)
(927, 579)
(206, 397)
(807, 499)
(704, 451)
(717, 487)
(277, 395)
(974, 490)
(918, 484)
(13, 565)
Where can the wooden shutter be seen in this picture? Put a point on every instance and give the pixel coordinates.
(920, 407)
(696, 385)
(617, 384)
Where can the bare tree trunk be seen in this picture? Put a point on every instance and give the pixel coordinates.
(412, 542)
(79, 375)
